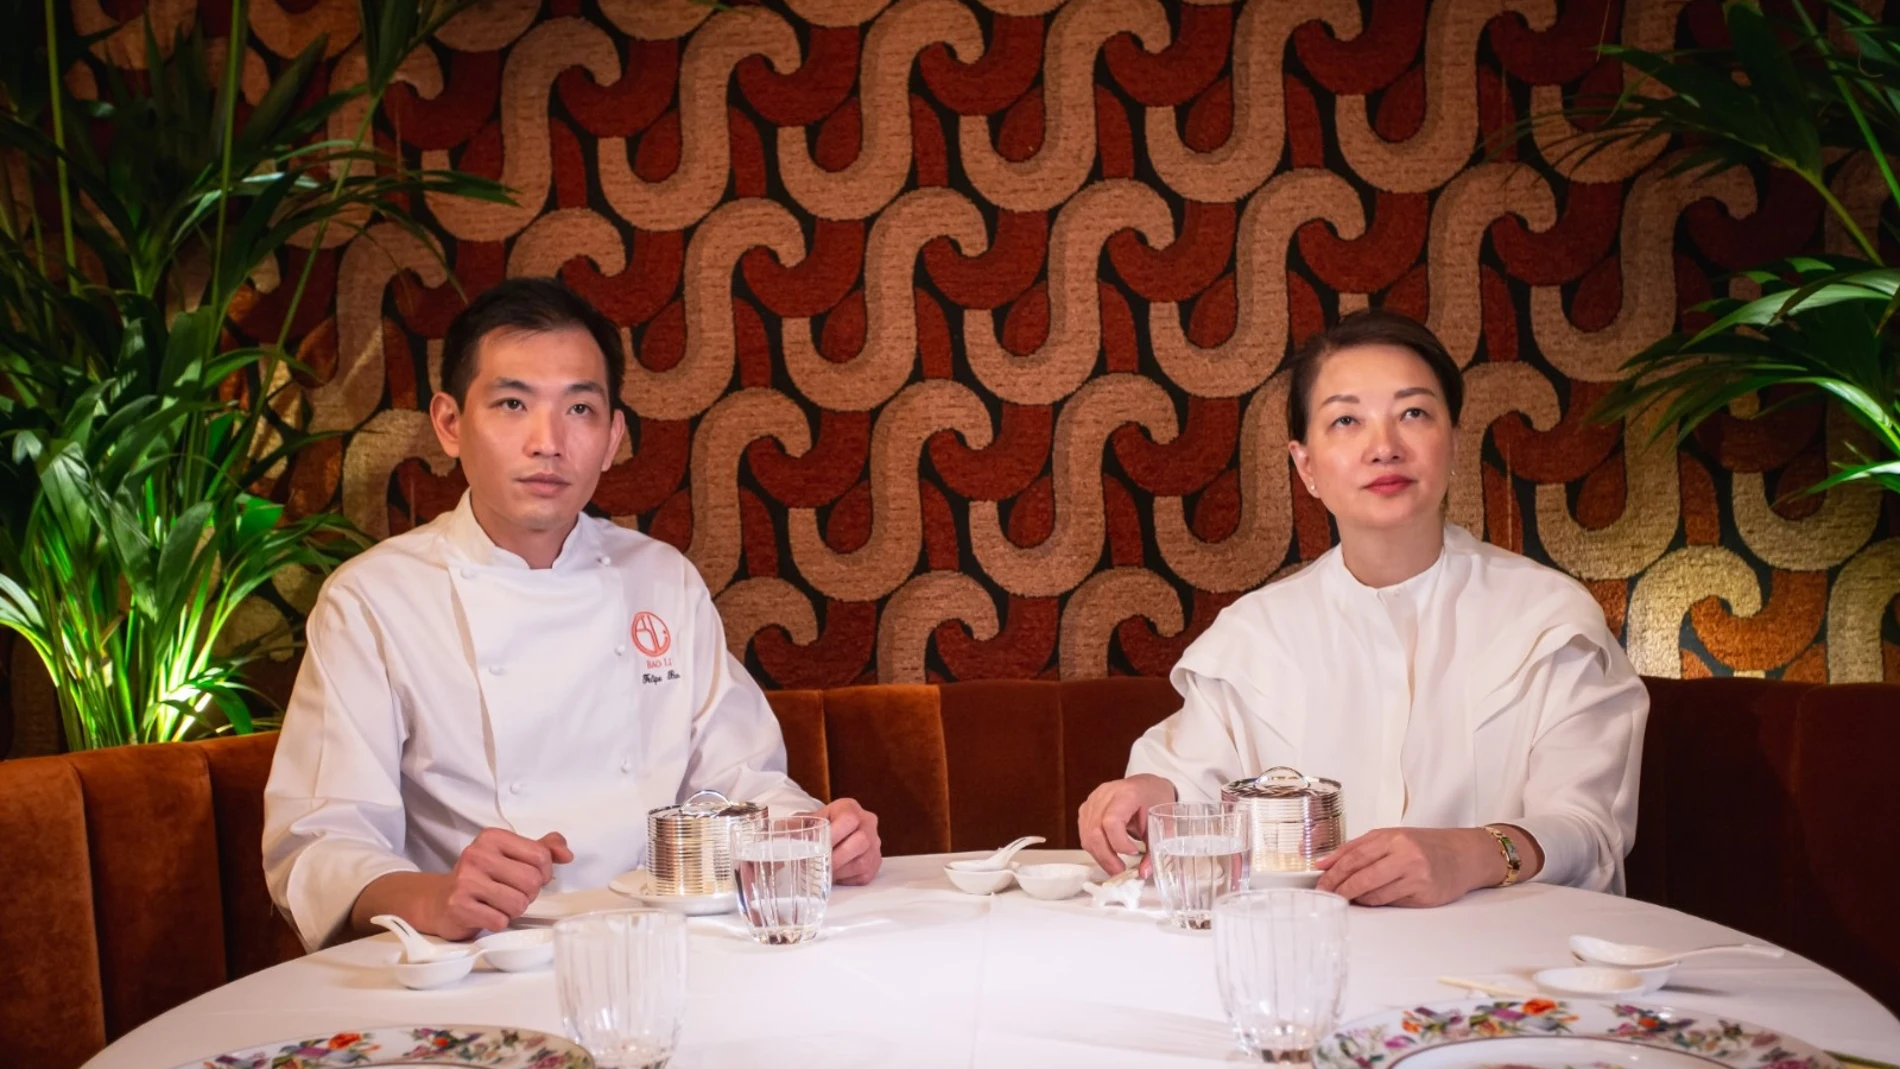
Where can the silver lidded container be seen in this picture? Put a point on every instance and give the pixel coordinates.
(689, 846)
(1295, 818)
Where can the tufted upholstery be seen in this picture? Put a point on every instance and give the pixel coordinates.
(136, 880)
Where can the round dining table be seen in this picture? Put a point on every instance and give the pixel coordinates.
(910, 972)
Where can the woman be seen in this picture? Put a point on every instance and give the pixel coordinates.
(1473, 705)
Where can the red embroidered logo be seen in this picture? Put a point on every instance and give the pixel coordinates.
(651, 636)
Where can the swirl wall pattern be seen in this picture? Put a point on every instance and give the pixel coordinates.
(958, 324)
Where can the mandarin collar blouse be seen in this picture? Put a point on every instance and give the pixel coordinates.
(1486, 689)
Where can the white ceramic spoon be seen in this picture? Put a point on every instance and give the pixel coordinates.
(416, 947)
(999, 860)
(1639, 956)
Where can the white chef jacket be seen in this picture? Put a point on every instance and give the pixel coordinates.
(447, 687)
(1486, 689)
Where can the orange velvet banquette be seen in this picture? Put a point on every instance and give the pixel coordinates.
(133, 882)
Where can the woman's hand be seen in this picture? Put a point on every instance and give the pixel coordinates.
(1414, 866)
(1116, 814)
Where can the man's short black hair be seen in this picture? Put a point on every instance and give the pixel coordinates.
(525, 304)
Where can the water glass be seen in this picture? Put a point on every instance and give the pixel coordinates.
(1280, 959)
(621, 977)
(782, 867)
(1200, 853)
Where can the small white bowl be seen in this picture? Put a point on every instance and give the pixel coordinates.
(980, 881)
(519, 950)
(1053, 881)
(421, 974)
(1655, 978)
(1590, 981)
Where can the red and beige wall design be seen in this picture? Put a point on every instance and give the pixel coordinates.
(958, 324)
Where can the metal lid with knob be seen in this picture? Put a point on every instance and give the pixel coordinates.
(1282, 781)
(711, 803)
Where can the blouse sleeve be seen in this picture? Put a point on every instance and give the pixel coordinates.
(1581, 776)
(1196, 749)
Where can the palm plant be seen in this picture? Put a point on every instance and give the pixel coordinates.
(1786, 94)
(136, 432)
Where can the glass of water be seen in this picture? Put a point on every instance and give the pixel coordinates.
(1280, 959)
(621, 978)
(782, 867)
(1200, 852)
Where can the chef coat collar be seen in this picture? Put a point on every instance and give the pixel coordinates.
(465, 534)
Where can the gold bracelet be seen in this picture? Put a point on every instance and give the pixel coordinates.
(1512, 865)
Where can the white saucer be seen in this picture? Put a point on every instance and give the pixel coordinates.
(1265, 880)
(638, 885)
(549, 907)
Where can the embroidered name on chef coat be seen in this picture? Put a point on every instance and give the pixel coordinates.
(654, 640)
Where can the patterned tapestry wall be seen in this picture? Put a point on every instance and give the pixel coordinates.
(958, 322)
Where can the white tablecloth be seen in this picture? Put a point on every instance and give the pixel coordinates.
(912, 973)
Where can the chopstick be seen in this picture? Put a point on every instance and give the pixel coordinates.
(1855, 1059)
(1508, 992)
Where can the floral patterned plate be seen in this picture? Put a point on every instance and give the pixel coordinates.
(1549, 1033)
(440, 1047)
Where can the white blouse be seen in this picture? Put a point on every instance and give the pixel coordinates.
(1486, 689)
(447, 687)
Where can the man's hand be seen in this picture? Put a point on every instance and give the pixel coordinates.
(492, 883)
(1116, 814)
(1413, 866)
(856, 851)
(495, 879)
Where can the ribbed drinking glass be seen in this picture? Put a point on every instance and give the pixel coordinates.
(621, 978)
(1200, 852)
(782, 867)
(1280, 960)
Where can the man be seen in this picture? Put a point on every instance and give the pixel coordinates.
(490, 704)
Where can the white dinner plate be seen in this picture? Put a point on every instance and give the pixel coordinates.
(439, 1046)
(638, 885)
(1550, 1033)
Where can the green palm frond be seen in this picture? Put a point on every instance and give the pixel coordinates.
(139, 529)
(1808, 94)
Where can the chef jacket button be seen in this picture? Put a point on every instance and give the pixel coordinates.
(627, 765)
(620, 650)
(468, 573)
(604, 560)
(515, 787)
(494, 669)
